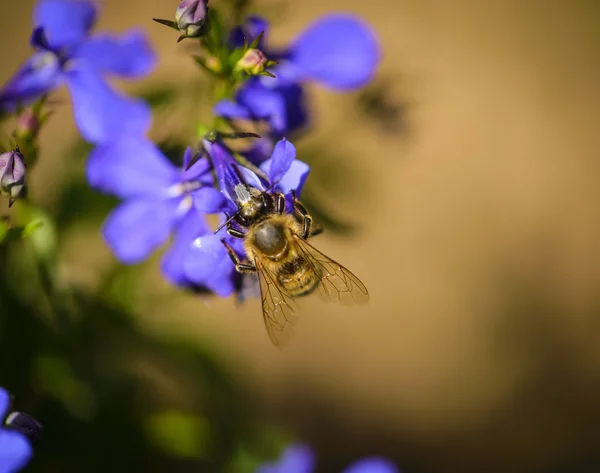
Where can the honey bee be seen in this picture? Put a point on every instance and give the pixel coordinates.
(275, 242)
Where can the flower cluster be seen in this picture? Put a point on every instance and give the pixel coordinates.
(300, 459)
(255, 84)
(161, 200)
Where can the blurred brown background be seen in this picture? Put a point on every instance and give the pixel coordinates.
(478, 236)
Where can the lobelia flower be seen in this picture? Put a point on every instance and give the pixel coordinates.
(338, 51)
(300, 459)
(206, 262)
(12, 174)
(66, 53)
(15, 450)
(160, 199)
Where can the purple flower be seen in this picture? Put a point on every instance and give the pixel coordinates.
(67, 54)
(339, 51)
(15, 450)
(159, 200)
(12, 174)
(207, 262)
(300, 459)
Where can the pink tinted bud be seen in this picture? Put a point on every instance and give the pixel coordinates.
(253, 61)
(12, 174)
(28, 124)
(191, 15)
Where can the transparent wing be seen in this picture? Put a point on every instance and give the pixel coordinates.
(337, 283)
(279, 310)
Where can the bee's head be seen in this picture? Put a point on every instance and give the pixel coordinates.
(255, 206)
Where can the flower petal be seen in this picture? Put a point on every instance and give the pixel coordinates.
(209, 265)
(4, 403)
(130, 167)
(254, 26)
(65, 22)
(191, 227)
(231, 110)
(137, 227)
(339, 50)
(281, 159)
(15, 451)
(208, 200)
(288, 175)
(372, 465)
(229, 173)
(39, 75)
(129, 55)
(295, 459)
(101, 113)
(264, 103)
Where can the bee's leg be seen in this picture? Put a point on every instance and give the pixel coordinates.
(239, 266)
(234, 232)
(306, 219)
(279, 203)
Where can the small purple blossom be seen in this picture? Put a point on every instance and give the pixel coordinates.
(190, 16)
(207, 263)
(66, 53)
(338, 51)
(300, 459)
(15, 450)
(12, 174)
(159, 200)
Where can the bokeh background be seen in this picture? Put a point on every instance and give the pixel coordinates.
(461, 186)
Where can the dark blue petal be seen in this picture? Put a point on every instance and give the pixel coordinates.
(295, 459)
(229, 173)
(4, 403)
(209, 200)
(15, 451)
(131, 167)
(340, 51)
(191, 227)
(294, 178)
(254, 26)
(38, 76)
(372, 465)
(137, 227)
(264, 103)
(127, 56)
(231, 110)
(101, 113)
(65, 22)
(208, 264)
(199, 170)
(281, 160)
(260, 151)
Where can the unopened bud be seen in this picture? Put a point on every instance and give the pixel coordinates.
(26, 425)
(12, 174)
(28, 125)
(253, 61)
(190, 16)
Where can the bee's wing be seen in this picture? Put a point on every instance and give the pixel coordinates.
(278, 308)
(337, 283)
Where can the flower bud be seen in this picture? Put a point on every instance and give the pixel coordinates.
(28, 125)
(12, 174)
(190, 16)
(253, 61)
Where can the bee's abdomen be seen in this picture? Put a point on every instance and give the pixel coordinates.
(298, 277)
